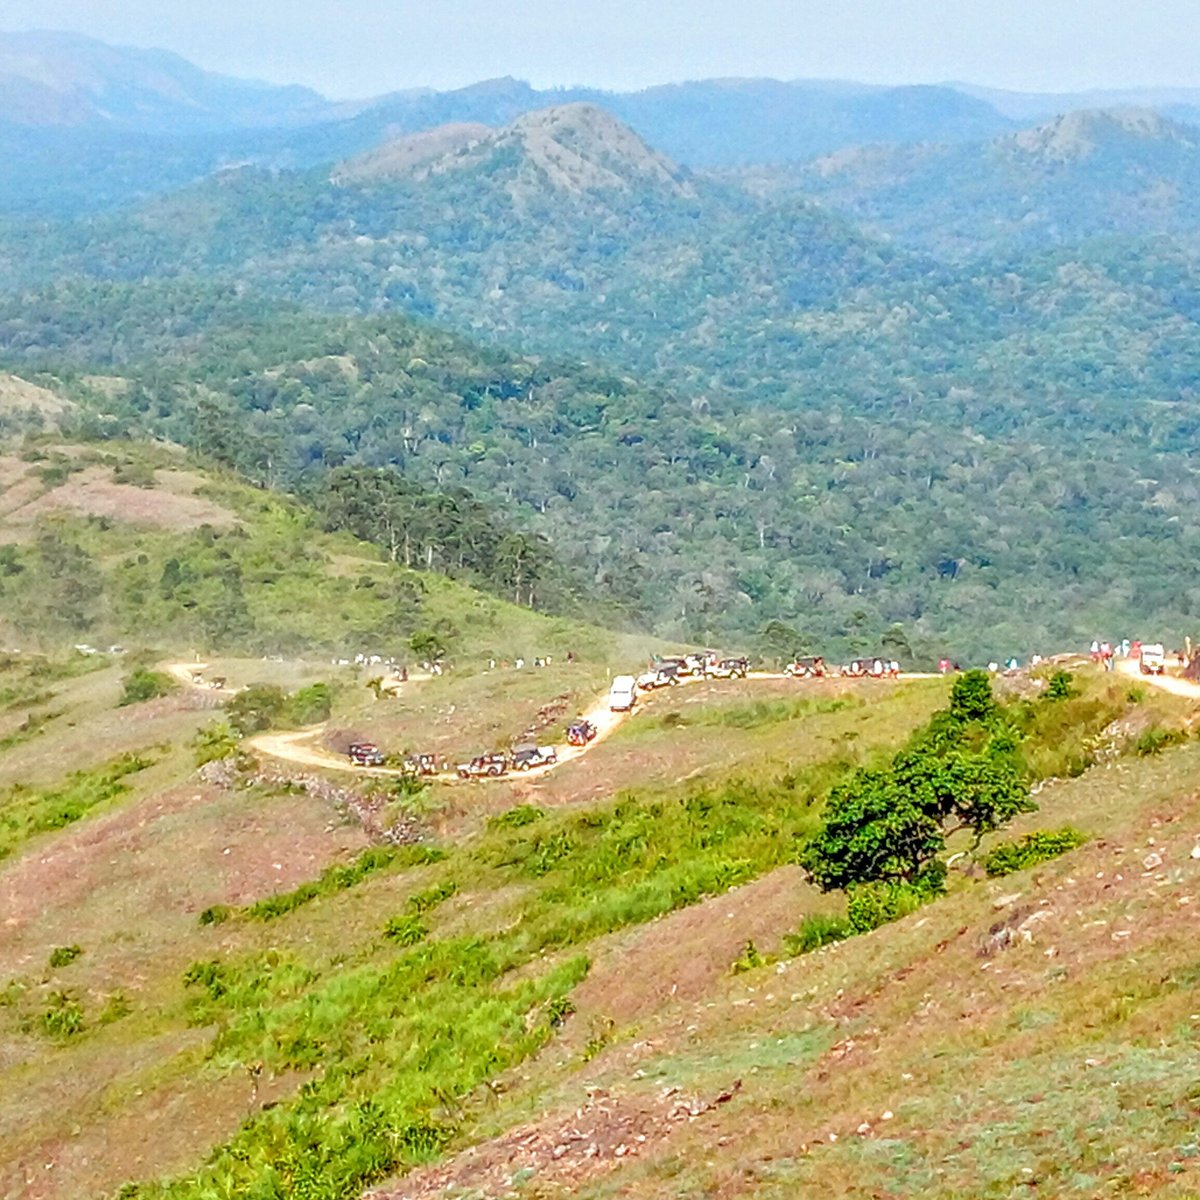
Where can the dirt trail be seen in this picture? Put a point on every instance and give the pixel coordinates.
(1168, 683)
(188, 673)
(299, 746)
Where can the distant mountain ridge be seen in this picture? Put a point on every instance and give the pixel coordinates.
(64, 80)
(86, 127)
(1081, 175)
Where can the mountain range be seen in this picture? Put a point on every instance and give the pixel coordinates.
(895, 383)
(88, 126)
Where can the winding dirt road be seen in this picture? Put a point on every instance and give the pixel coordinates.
(301, 746)
(298, 747)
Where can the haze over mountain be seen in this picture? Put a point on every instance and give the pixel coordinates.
(1081, 175)
(64, 80)
(88, 126)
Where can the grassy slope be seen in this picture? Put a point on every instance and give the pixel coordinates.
(257, 573)
(1065, 1063)
(926, 1059)
(717, 788)
(138, 1096)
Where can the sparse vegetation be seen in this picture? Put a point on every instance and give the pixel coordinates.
(63, 1017)
(215, 742)
(1156, 739)
(62, 956)
(332, 880)
(1030, 850)
(815, 931)
(25, 812)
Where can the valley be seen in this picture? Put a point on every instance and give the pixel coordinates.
(544, 637)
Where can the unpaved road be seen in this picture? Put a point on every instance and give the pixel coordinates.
(298, 747)
(1168, 683)
(301, 746)
(187, 673)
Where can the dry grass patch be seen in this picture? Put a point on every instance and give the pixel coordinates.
(92, 492)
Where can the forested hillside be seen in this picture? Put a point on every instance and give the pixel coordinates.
(791, 420)
(976, 527)
(130, 542)
(1118, 173)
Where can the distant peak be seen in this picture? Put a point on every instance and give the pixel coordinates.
(1077, 135)
(578, 148)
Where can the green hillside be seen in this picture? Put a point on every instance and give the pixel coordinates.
(1005, 506)
(143, 545)
(625, 948)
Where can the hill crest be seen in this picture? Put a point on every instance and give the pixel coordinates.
(1076, 136)
(53, 80)
(577, 148)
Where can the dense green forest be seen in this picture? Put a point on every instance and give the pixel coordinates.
(700, 516)
(776, 417)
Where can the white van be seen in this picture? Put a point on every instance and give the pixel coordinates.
(1153, 659)
(622, 694)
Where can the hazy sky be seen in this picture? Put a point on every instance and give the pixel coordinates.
(362, 47)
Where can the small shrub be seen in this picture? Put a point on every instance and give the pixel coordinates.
(422, 902)
(309, 706)
(874, 904)
(214, 742)
(558, 1010)
(816, 931)
(405, 931)
(748, 960)
(211, 976)
(63, 1018)
(216, 914)
(602, 1035)
(60, 956)
(1136, 694)
(1059, 686)
(1156, 739)
(256, 708)
(142, 685)
(515, 818)
(1030, 850)
(115, 1007)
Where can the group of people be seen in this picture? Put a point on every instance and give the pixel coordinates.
(519, 663)
(1105, 652)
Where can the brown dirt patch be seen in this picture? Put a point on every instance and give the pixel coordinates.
(145, 870)
(92, 492)
(164, 1129)
(561, 1152)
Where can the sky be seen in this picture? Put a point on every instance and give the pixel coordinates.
(359, 48)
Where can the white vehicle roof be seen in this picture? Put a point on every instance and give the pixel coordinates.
(623, 683)
(1153, 648)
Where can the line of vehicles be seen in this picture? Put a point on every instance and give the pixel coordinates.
(525, 756)
(707, 664)
(624, 691)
